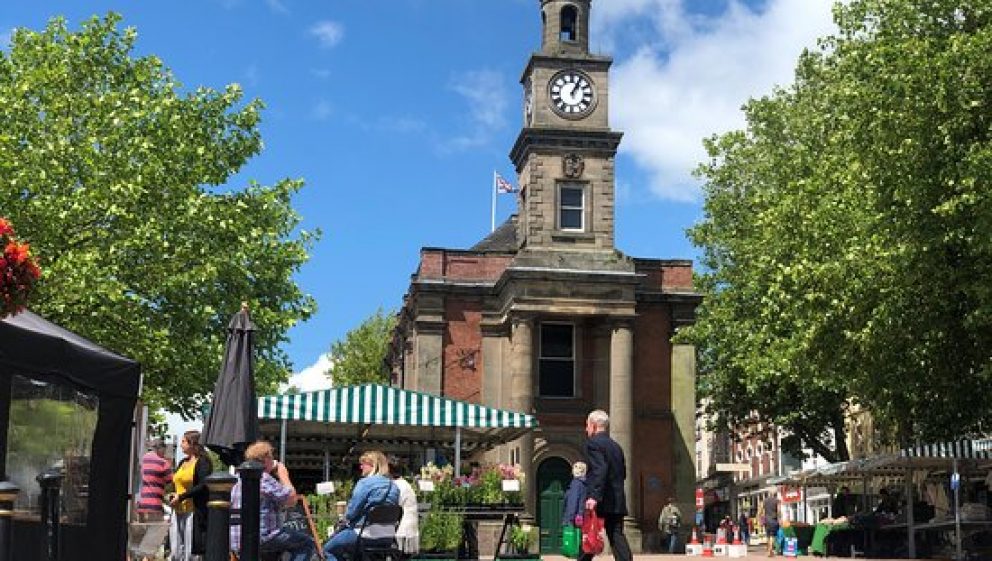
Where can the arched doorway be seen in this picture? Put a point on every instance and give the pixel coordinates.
(553, 476)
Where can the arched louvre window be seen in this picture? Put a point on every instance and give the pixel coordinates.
(569, 23)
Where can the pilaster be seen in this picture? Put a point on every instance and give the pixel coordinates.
(522, 399)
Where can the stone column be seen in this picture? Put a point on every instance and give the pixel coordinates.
(683, 405)
(622, 412)
(522, 400)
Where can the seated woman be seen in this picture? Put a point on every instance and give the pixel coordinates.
(373, 489)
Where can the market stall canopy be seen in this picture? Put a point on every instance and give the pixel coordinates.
(347, 419)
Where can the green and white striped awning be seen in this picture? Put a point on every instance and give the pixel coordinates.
(345, 420)
(386, 405)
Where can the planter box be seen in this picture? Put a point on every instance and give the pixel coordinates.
(694, 549)
(442, 556)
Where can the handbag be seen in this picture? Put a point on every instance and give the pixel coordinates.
(571, 541)
(592, 533)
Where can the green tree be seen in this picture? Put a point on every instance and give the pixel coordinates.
(117, 176)
(848, 233)
(360, 358)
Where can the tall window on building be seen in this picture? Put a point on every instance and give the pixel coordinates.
(571, 207)
(556, 376)
(569, 20)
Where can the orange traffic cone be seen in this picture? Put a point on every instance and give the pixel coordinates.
(721, 536)
(737, 536)
(695, 538)
(707, 548)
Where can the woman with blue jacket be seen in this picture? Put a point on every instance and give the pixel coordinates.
(575, 501)
(373, 489)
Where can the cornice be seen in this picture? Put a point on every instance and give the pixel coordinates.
(534, 139)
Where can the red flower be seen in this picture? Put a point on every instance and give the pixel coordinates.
(18, 271)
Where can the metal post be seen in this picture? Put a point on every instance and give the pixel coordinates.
(327, 464)
(219, 485)
(458, 451)
(251, 476)
(282, 442)
(8, 494)
(50, 482)
(910, 522)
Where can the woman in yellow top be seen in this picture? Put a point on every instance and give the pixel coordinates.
(188, 531)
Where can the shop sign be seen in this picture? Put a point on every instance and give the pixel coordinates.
(791, 494)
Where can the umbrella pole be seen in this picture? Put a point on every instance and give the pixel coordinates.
(458, 451)
(282, 442)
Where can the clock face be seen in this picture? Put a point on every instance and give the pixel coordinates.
(572, 94)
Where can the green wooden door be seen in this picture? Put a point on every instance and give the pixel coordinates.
(553, 477)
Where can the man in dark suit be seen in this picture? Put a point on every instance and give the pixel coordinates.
(604, 482)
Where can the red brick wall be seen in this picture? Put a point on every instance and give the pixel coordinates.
(652, 468)
(461, 265)
(462, 355)
(666, 275)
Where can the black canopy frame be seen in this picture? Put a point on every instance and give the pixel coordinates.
(35, 348)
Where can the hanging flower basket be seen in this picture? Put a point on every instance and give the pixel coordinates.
(18, 271)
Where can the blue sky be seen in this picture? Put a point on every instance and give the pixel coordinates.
(397, 112)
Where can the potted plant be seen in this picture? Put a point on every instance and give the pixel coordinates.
(440, 535)
(522, 537)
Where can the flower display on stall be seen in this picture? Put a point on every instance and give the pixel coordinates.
(437, 474)
(484, 485)
(18, 271)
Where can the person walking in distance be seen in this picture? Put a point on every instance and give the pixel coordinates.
(771, 522)
(605, 475)
(669, 522)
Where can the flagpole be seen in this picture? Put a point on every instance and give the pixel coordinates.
(492, 225)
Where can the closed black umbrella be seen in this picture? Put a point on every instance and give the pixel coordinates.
(232, 423)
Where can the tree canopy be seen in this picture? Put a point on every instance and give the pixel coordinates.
(117, 175)
(360, 358)
(847, 235)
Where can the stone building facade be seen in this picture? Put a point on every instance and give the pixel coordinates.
(546, 316)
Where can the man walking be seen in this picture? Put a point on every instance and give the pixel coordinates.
(771, 521)
(156, 473)
(669, 522)
(604, 482)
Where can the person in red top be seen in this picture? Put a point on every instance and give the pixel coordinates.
(156, 473)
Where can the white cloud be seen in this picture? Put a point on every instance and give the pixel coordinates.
(277, 6)
(328, 33)
(487, 97)
(322, 110)
(313, 377)
(690, 79)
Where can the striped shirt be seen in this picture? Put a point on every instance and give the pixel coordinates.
(155, 475)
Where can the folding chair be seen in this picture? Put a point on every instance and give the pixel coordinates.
(377, 535)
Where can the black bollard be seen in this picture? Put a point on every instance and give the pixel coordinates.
(8, 494)
(219, 516)
(50, 481)
(251, 506)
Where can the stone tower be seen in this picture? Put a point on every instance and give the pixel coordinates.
(564, 155)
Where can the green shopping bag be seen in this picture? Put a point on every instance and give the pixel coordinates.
(571, 541)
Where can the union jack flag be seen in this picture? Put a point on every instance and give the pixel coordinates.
(504, 186)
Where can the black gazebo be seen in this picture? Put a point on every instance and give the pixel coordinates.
(76, 401)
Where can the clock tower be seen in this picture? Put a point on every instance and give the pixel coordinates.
(564, 155)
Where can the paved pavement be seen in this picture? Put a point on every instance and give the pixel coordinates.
(754, 554)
